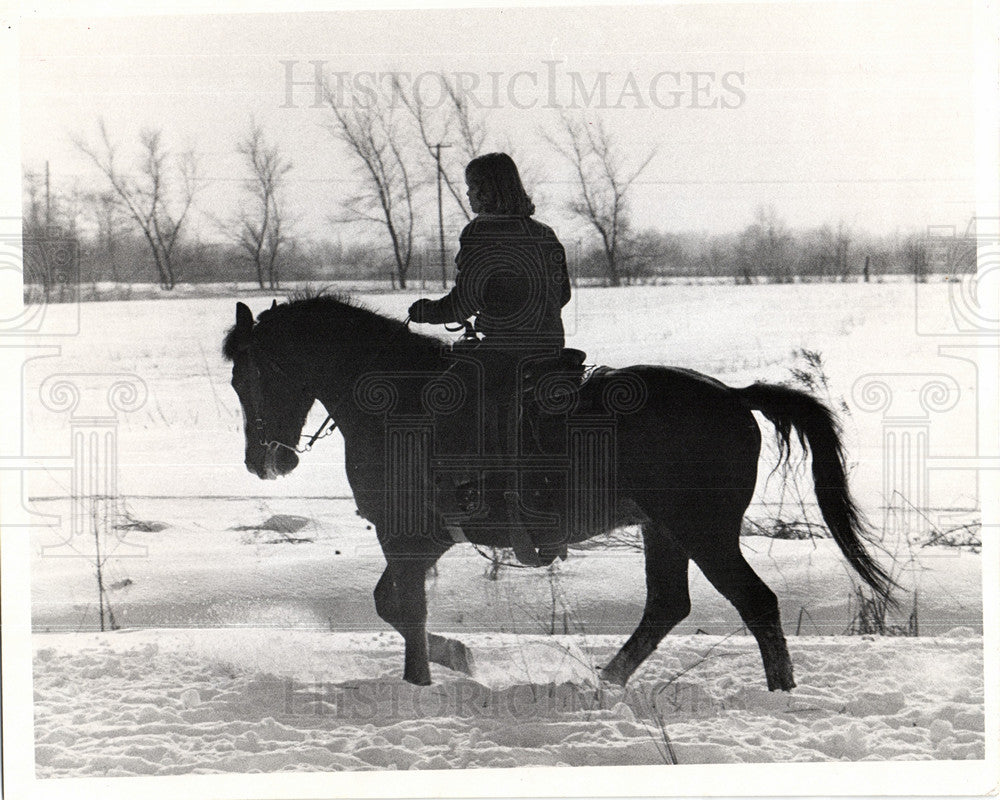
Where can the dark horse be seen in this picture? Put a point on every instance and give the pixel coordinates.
(685, 465)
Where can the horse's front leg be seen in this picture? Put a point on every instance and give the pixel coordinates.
(411, 597)
(401, 600)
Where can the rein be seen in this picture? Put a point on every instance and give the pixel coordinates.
(498, 562)
(322, 431)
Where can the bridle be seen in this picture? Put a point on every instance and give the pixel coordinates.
(329, 425)
(258, 353)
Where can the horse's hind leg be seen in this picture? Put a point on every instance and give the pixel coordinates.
(667, 602)
(728, 571)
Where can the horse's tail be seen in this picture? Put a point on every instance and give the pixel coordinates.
(818, 430)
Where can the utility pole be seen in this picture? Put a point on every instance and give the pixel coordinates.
(578, 256)
(437, 158)
(48, 206)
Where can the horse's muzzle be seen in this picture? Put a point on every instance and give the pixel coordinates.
(277, 461)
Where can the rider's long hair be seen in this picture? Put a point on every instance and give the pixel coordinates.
(496, 177)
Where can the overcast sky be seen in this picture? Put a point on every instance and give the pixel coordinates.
(861, 112)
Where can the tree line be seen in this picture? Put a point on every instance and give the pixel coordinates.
(768, 251)
(134, 225)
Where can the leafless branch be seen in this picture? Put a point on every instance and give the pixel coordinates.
(157, 196)
(372, 137)
(262, 229)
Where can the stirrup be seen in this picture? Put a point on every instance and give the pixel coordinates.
(526, 551)
(520, 541)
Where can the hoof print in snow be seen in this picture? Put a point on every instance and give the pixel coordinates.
(290, 540)
(190, 698)
(284, 524)
(142, 526)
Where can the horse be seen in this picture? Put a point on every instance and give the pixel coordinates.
(685, 456)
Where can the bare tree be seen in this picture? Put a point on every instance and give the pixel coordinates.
(842, 249)
(34, 212)
(107, 214)
(452, 136)
(603, 184)
(262, 227)
(50, 209)
(375, 141)
(50, 233)
(436, 127)
(642, 254)
(827, 251)
(763, 249)
(157, 199)
(916, 257)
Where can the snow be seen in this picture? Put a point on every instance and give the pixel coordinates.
(249, 639)
(167, 702)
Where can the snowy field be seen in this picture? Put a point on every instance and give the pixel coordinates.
(199, 701)
(249, 640)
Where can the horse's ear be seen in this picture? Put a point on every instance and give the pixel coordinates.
(274, 304)
(244, 318)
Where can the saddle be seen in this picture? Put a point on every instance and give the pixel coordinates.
(518, 428)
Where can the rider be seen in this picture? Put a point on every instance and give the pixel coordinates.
(511, 268)
(512, 276)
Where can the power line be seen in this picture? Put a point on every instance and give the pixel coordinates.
(646, 182)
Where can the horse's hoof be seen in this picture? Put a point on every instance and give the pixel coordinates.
(784, 683)
(612, 676)
(421, 681)
(450, 653)
(460, 657)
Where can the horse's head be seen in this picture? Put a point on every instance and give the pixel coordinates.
(274, 403)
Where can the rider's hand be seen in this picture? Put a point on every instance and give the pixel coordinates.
(418, 311)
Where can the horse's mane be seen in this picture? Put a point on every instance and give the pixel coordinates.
(325, 308)
(230, 345)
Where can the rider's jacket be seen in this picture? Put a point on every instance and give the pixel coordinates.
(512, 276)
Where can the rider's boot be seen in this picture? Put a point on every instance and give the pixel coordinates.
(536, 547)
